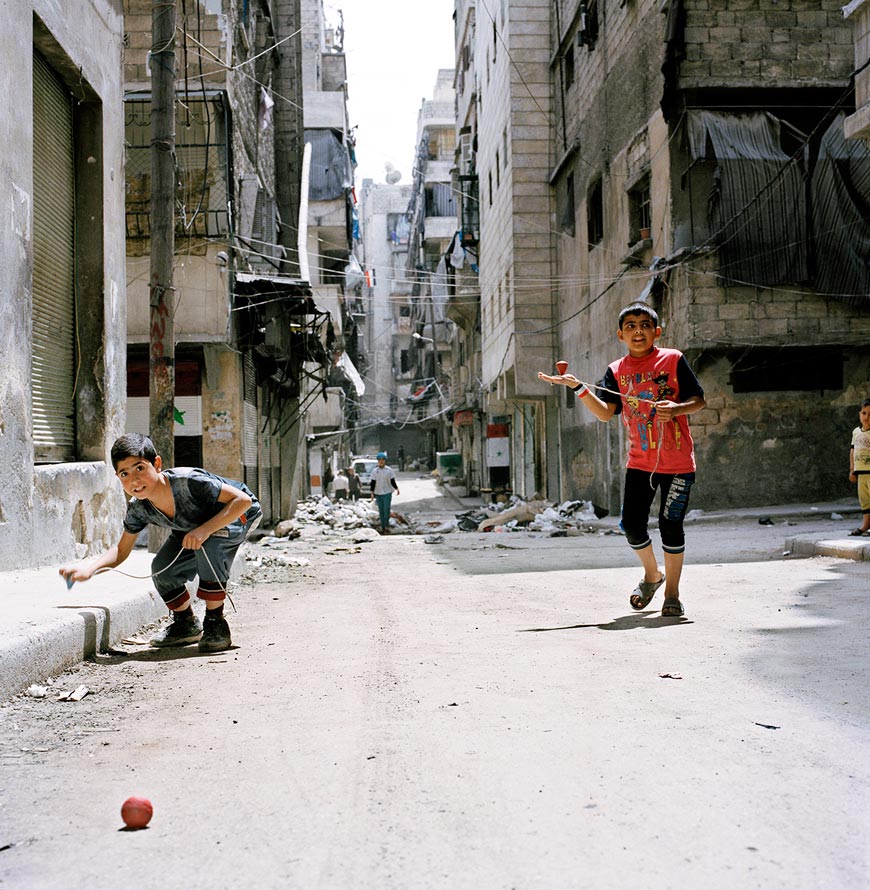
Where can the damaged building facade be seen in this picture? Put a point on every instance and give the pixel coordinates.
(62, 303)
(332, 391)
(692, 155)
(388, 324)
(432, 221)
(717, 159)
(251, 333)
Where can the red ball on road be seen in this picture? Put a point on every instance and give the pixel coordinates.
(137, 812)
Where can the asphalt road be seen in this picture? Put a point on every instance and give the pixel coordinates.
(462, 715)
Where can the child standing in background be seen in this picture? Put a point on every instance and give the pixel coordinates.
(859, 466)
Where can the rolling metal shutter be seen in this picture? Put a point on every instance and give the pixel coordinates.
(53, 361)
(249, 423)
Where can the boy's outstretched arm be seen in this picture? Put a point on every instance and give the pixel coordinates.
(87, 568)
(235, 502)
(601, 409)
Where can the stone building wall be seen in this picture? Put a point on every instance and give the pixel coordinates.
(753, 447)
(52, 512)
(785, 42)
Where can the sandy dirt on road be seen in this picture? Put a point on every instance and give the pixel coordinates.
(480, 713)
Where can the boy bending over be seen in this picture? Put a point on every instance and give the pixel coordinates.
(209, 518)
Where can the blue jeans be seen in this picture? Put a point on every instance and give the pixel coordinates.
(384, 501)
(176, 565)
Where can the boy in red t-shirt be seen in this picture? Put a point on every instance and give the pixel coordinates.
(654, 389)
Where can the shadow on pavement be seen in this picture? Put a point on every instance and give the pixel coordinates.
(174, 653)
(626, 622)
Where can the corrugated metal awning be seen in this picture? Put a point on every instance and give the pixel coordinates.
(757, 207)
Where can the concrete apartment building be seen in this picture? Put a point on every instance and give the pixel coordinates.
(331, 392)
(467, 390)
(504, 102)
(62, 294)
(248, 331)
(432, 217)
(384, 233)
(708, 142)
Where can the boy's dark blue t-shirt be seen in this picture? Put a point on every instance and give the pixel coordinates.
(195, 492)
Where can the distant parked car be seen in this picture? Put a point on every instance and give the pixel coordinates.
(363, 467)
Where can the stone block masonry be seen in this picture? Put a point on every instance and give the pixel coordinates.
(739, 41)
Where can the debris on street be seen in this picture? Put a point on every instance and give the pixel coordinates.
(75, 695)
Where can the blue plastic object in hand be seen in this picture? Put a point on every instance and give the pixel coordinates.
(69, 583)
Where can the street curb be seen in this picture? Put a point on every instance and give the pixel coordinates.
(67, 635)
(839, 548)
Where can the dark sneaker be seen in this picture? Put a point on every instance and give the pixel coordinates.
(185, 628)
(215, 635)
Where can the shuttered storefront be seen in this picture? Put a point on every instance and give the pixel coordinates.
(264, 459)
(53, 363)
(249, 422)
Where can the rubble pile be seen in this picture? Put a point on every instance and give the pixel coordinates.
(519, 515)
(338, 515)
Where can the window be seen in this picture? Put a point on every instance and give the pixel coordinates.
(787, 370)
(470, 209)
(567, 208)
(639, 214)
(568, 67)
(440, 200)
(595, 214)
(588, 33)
(398, 228)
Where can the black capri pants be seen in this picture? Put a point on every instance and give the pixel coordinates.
(640, 489)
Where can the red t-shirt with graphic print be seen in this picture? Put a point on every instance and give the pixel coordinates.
(654, 445)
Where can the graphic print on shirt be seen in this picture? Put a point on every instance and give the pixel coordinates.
(641, 408)
(654, 446)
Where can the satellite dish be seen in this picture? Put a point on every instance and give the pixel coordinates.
(393, 175)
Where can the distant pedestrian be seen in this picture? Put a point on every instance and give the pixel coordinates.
(354, 484)
(859, 466)
(400, 459)
(326, 480)
(340, 485)
(383, 484)
(654, 389)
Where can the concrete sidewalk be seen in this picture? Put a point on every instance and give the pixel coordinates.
(45, 628)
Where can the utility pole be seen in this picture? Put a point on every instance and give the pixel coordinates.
(161, 365)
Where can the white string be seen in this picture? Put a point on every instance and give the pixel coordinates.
(223, 587)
